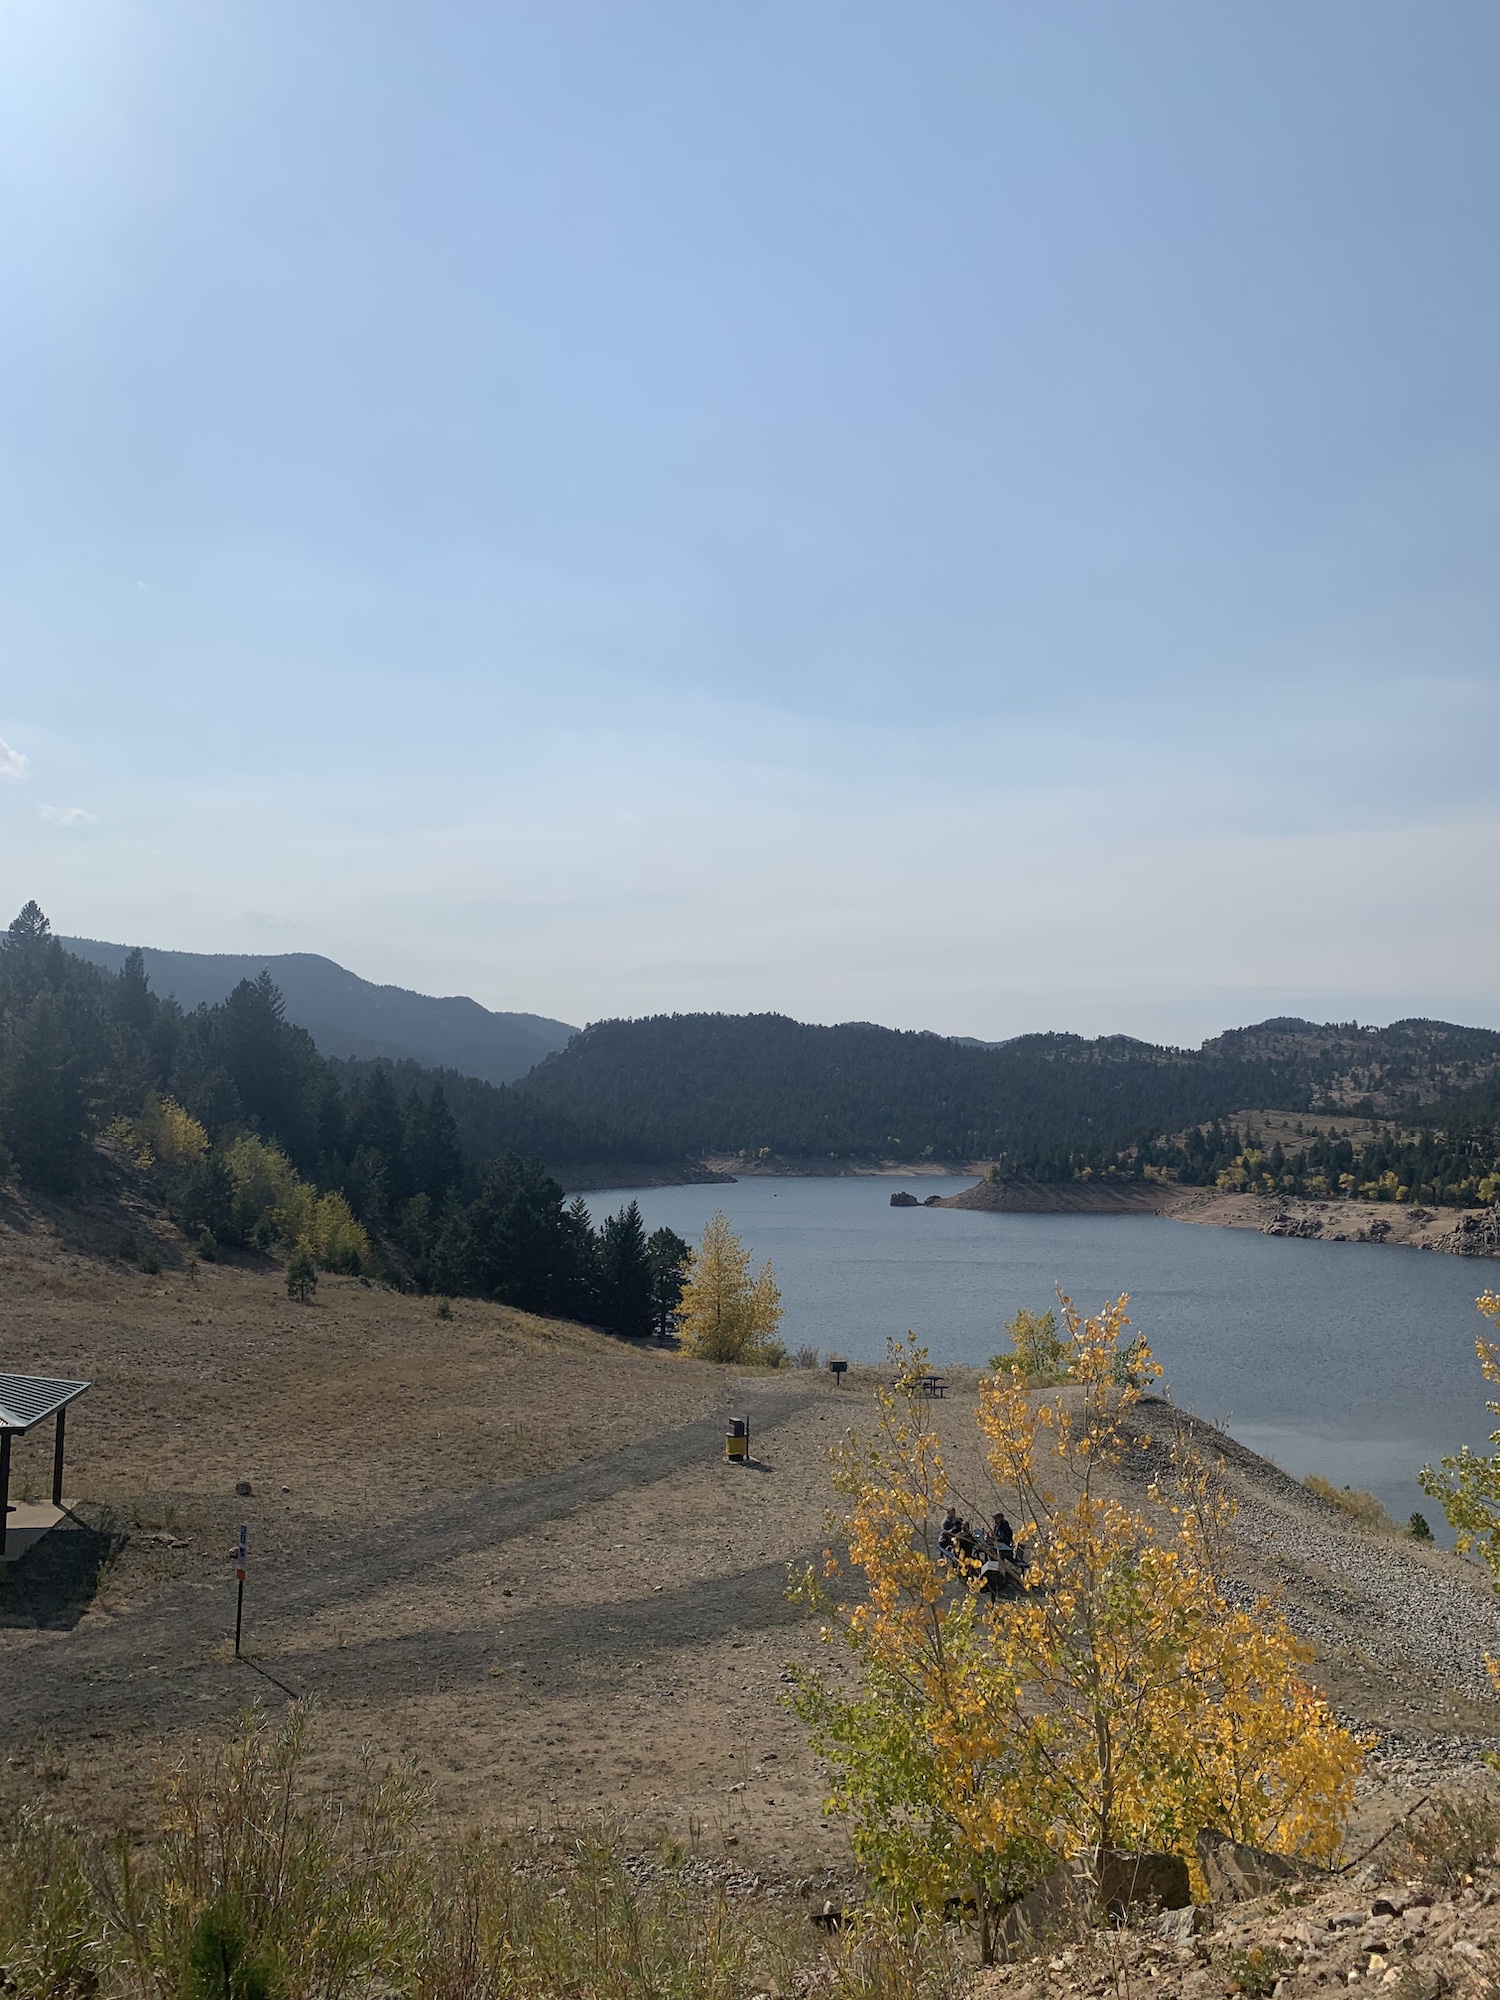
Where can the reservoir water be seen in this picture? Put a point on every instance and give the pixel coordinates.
(1347, 1359)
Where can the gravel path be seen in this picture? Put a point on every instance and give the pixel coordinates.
(164, 1664)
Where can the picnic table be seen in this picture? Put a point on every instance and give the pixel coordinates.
(931, 1385)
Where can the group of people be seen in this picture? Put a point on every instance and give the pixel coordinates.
(991, 1551)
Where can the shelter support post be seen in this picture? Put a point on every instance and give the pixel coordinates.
(57, 1456)
(4, 1485)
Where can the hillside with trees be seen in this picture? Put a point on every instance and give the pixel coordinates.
(252, 1138)
(692, 1084)
(348, 1016)
(230, 1117)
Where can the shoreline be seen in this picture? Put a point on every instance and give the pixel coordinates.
(1458, 1232)
(722, 1168)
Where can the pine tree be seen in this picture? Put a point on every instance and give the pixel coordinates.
(434, 1158)
(133, 1004)
(625, 1274)
(301, 1275)
(669, 1254)
(44, 1091)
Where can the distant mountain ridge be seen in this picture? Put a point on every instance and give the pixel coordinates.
(352, 1017)
(718, 1084)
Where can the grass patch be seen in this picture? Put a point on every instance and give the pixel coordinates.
(1361, 1507)
(1456, 1836)
(252, 1886)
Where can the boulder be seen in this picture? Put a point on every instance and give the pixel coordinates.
(1235, 1872)
(1104, 1881)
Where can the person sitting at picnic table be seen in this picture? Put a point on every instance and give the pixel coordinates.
(947, 1532)
(966, 1541)
(1002, 1539)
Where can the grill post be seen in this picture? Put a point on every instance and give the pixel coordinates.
(4, 1485)
(57, 1457)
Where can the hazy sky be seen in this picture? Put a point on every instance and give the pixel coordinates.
(977, 516)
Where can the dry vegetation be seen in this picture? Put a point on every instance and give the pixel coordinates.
(510, 1553)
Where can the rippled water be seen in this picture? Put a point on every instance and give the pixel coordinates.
(1348, 1359)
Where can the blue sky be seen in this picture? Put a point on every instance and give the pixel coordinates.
(978, 517)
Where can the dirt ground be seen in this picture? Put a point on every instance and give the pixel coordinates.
(513, 1551)
(1468, 1232)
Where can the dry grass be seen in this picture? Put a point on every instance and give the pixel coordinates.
(1359, 1506)
(249, 1884)
(625, 1653)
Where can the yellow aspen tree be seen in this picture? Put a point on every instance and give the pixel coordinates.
(1117, 1700)
(1467, 1484)
(724, 1313)
(174, 1135)
(933, 1762)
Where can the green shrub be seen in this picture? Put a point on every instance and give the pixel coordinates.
(1037, 1349)
(301, 1275)
(219, 1965)
(1256, 1971)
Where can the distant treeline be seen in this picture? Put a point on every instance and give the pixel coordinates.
(689, 1084)
(682, 1085)
(1454, 1163)
(254, 1136)
(236, 1113)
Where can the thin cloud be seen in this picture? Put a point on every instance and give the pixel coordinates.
(67, 815)
(12, 763)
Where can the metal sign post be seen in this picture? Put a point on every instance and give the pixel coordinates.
(239, 1605)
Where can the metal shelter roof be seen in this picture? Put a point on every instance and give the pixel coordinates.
(26, 1399)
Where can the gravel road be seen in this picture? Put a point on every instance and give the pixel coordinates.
(166, 1663)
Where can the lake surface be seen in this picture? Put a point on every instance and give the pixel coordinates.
(1348, 1359)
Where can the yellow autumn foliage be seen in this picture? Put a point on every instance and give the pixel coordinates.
(1467, 1484)
(273, 1201)
(1118, 1700)
(724, 1313)
(164, 1132)
(174, 1135)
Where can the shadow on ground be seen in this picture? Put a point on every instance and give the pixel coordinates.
(51, 1586)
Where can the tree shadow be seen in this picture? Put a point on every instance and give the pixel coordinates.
(51, 1586)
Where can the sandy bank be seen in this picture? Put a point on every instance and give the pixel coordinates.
(1468, 1232)
(1463, 1232)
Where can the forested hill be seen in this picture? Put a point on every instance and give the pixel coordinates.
(687, 1084)
(348, 1016)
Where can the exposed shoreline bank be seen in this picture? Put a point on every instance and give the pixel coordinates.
(1461, 1232)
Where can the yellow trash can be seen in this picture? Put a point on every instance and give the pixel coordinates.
(737, 1438)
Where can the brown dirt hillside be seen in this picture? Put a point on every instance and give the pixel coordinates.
(513, 1550)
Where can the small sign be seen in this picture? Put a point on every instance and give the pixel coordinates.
(244, 1548)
